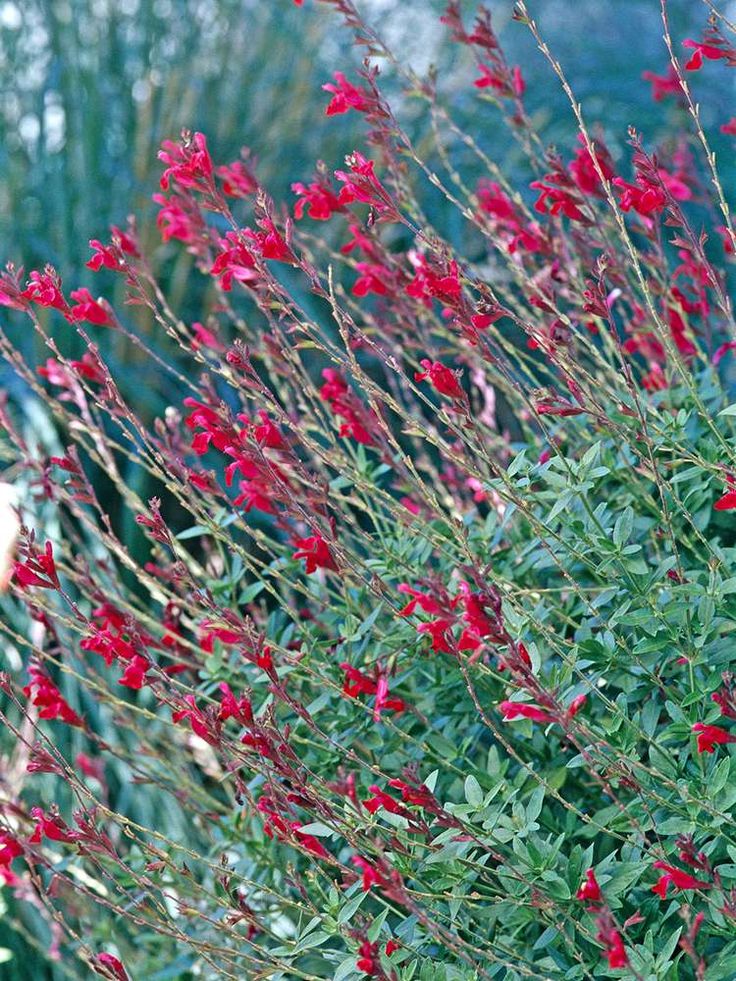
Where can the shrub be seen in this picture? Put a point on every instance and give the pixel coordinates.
(413, 693)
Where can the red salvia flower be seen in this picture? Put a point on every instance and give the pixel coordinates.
(361, 184)
(728, 501)
(381, 799)
(583, 168)
(711, 736)
(442, 378)
(112, 256)
(318, 199)
(368, 961)
(234, 261)
(678, 878)
(180, 218)
(725, 698)
(88, 309)
(205, 724)
(316, 553)
(270, 242)
(188, 162)
(373, 278)
(710, 51)
(589, 891)
(10, 849)
(556, 200)
(134, 675)
(44, 694)
(523, 710)
(110, 967)
(231, 707)
(612, 941)
(237, 180)
(204, 337)
(45, 290)
(51, 827)
(442, 284)
(347, 96)
(663, 85)
(346, 405)
(729, 128)
(38, 570)
(371, 875)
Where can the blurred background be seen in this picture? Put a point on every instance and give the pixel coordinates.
(90, 88)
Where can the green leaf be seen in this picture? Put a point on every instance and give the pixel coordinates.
(623, 527)
(473, 791)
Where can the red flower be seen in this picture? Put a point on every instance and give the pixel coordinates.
(347, 96)
(384, 702)
(134, 675)
(46, 696)
(51, 827)
(711, 736)
(237, 180)
(270, 242)
(188, 162)
(356, 683)
(381, 799)
(553, 404)
(112, 256)
(589, 891)
(315, 551)
(89, 309)
(371, 875)
(204, 724)
(346, 405)
(443, 284)
(368, 961)
(442, 378)
(391, 946)
(361, 184)
(729, 128)
(38, 570)
(110, 967)
(499, 78)
(644, 199)
(728, 501)
(373, 279)
(516, 710)
(180, 218)
(560, 200)
(678, 878)
(318, 199)
(615, 951)
(583, 168)
(10, 849)
(45, 290)
(663, 85)
(231, 707)
(234, 261)
(703, 50)
(419, 796)
(204, 337)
